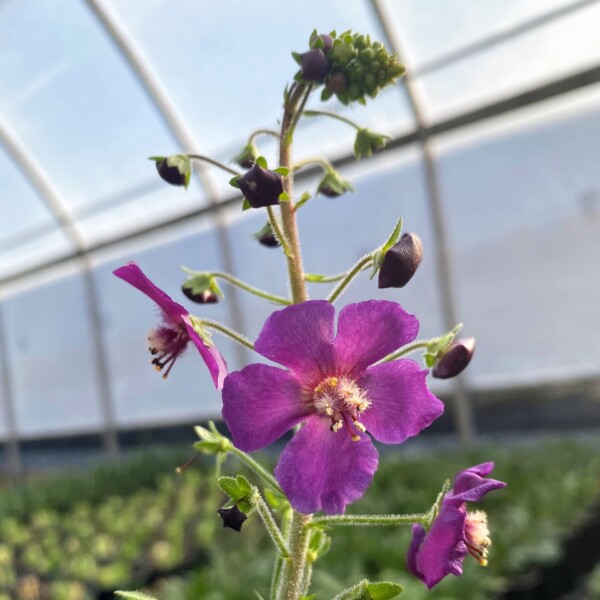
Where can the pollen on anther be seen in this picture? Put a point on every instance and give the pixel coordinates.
(337, 426)
(356, 438)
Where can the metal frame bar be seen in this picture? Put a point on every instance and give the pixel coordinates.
(463, 415)
(159, 97)
(60, 211)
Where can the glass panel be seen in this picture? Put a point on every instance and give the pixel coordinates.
(140, 394)
(51, 359)
(523, 207)
(76, 105)
(553, 51)
(431, 29)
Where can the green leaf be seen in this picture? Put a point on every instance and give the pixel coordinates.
(311, 597)
(296, 57)
(283, 197)
(429, 360)
(134, 595)
(237, 488)
(284, 171)
(274, 499)
(305, 197)
(156, 158)
(395, 235)
(383, 590)
(261, 161)
(233, 182)
(246, 205)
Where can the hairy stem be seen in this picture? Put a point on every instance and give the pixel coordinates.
(258, 132)
(327, 113)
(405, 350)
(267, 518)
(248, 288)
(213, 162)
(256, 467)
(364, 262)
(277, 232)
(294, 568)
(234, 335)
(362, 520)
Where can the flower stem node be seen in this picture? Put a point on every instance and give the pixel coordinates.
(176, 169)
(261, 187)
(247, 157)
(233, 517)
(333, 184)
(266, 237)
(400, 262)
(455, 358)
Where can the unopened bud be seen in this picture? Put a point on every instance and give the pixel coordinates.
(170, 174)
(261, 187)
(266, 237)
(205, 297)
(247, 157)
(326, 44)
(232, 517)
(400, 262)
(455, 360)
(333, 185)
(314, 65)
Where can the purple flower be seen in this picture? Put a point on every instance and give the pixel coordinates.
(172, 336)
(454, 532)
(334, 386)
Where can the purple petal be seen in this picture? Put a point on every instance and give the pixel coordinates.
(300, 337)
(322, 470)
(442, 550)
(211, 356)
(401, 405)
(370, 330)
(133, 275)
(471, 485)
(261, 403)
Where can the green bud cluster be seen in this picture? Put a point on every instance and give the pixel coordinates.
(360, 68)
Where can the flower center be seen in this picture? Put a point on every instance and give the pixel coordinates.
(477, 536)
(166, 343)
(342, 402)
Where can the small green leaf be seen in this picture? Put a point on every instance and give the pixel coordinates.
(246, 205)
(395, 235)
(383, 590)
(283, 197)
(233, 182)
(429, 360)
(261, 161)
(284, 171)
(134, 595)
(296, 56)
(314, 277)
(156, 158)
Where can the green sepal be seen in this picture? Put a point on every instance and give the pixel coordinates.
(303, 200)
(246, 205)
(134, 595)
(261, 161)
(237, 488)
(284, 197)
(233, 182)
(275, 499)
(379, 254)
(248, 153)
(430, 359)
(437, 346)
(296, 57)
(367, 142)
(314, 277)
(333, 184)
(155, 159)
(183, 164)
(382, 590)
(199, 328)
(283, 171)
(201, 282)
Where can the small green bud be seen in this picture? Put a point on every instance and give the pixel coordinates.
(367, 142)
(247, 157)
(266, 237)
(333, 185)
(201, 288)
(176, 169)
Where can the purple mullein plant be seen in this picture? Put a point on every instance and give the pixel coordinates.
(171, 338)
(335, 388)
(455, 532)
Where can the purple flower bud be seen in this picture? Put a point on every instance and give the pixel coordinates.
(269, 240)
(455, 359)
(232, 517)
(261, 187)
(327, 41)
(315, 65)
(337, 83)
(205, 297)
(401, 262)
(171, 175)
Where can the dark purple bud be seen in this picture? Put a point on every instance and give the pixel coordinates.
(400, 262)
(170, 174)
(327, 41)
(205, 297)
(261, 187)
(337, 83)
(268, 239)
(232, 517)
(314, 65)
(455, 359)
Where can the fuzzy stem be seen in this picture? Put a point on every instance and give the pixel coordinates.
(294, 568)
(278, 233)
(353, 593)
(258, 132)
(405, 350)
(248, 288)
(234, 335)
(256, 467)
(350, 275)
(325, 164)
(213, 162)
(324, 278)
(326, 113)
(267, 518)
(361, 520)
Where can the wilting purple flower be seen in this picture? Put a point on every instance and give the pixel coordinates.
(454, 532)
(172, 336)
(334, 386)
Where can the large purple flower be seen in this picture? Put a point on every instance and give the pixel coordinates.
(172, 336)
(334, 386)
(454, 532)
